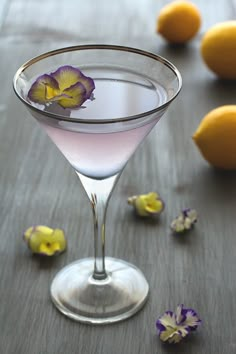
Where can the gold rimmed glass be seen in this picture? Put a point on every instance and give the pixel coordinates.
(133, 89)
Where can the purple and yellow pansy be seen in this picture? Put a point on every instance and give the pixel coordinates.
(184, 221)
(67, 86)
(174, 326)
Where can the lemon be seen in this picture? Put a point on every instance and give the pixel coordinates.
(179, 21)
(218, 48)
(216, 137)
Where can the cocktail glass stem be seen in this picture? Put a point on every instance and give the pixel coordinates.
(99, 193)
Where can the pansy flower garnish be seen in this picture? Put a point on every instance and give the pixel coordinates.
(174, 326)
(185, 221)
(67, 86)
(149, 204)
(45, 241)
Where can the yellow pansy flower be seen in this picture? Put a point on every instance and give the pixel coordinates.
(44, 240)
(147, 204)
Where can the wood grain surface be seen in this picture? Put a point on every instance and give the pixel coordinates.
(37, 186)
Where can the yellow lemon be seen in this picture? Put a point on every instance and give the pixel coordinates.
(179, 21)
(216, 137)
(218, 48)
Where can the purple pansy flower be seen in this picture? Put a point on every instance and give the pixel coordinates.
(185, 221)
(174, 326)
(67, 86)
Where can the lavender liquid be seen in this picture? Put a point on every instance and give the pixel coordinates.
(117, 94)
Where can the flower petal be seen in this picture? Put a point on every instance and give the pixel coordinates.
(66, 76)
(179, 315)
(75, 96)
(59, 237)
(27, 233)
(175, 337)
(192, 320)
(140, 205)
(166, 320)
(49, 249)
(43, 89)
(36, 239)
(183, 331)
(191, 214)
(155, 206)
(187, 223)
(45, 230)
(88, 84)
(170, 334)
(177, 225)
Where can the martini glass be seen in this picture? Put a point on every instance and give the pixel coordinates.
(133, 89)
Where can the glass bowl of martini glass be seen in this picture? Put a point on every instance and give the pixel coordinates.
(98, 123)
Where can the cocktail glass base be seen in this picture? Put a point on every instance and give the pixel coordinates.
(80, 297)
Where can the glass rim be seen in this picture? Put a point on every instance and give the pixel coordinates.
(59, 117)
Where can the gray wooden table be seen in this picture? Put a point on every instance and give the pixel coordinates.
(37, 186)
